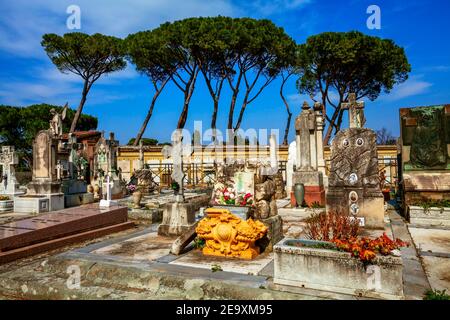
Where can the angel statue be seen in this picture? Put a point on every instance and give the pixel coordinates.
(56, 124)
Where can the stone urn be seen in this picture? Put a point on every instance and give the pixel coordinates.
(299, 193)
(137, 197)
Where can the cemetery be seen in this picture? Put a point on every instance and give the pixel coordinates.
(331, 214)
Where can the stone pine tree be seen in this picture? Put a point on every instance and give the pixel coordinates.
(88, 56)
(334, 64)
(175, 43)
(260, 48)
(288, 69)
(214, 55)
(148, 53)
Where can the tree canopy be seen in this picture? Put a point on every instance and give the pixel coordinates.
(19, 126)
(88, 56)
(345, 62)
(145, 142)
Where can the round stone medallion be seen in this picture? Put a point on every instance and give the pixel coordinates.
(353, 178)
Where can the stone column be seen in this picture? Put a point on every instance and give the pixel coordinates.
(319, 137)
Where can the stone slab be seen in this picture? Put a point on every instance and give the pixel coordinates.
(196, 259)
(58, 224)
(438, 272)
(431, 240)
(35, 204)
(178, 217)
(30, 250)
(147, 247)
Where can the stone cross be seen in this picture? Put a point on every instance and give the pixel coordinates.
(108, 185)
(355, 111)
(8, 159)
(320, 124)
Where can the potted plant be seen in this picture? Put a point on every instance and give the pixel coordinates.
(6, 203)
(137, 195)
(333, 258)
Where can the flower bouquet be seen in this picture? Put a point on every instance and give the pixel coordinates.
(229, 196)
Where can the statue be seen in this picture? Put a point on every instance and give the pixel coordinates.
(56, 123)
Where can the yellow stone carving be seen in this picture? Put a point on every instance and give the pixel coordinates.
(227, 235)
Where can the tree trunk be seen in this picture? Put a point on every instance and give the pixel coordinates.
(241, 112)
(288, 122)
(187, 98)
(149, 114)
(331, 125)
(214, 119)
(339, 122)
(76, 118)
(286, 131)
(233, 101)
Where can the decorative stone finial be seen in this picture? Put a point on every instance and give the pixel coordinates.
(305, 105)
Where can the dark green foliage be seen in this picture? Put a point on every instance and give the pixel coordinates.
(436, 295)
(88, 56)
(345, 62)
(145, 142)
(19, 126)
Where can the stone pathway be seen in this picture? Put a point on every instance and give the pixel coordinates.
(415, 281)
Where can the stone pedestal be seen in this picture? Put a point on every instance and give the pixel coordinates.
(75, 193)
(42, 196)
(314, 188)
(274, 233)
(178, 217)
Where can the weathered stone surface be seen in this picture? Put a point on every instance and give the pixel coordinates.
(178, 217)
(182, 241)
(430, 216)
(264, 191)
(274, 233)
(331, 270)
(262, 209)
(354, 186)
(426, 137)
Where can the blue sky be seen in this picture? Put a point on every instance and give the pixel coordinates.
(120, 100)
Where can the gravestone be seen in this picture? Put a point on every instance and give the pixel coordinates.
(108, 202)
(307, 172)
(178, 215)
(8, 161)
(425, 153)
(105, 164)
(74, 184)
(354, 183)
(44, 191)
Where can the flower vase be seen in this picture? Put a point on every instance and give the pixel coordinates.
(137, 197)
(299, 193)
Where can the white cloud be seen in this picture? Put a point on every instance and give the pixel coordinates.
(411, 87)
(24, 22)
